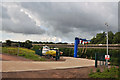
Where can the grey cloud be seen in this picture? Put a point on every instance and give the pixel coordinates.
(119, 16)
(19, 22)
(4, 13)
(75, 15)
(66, 20)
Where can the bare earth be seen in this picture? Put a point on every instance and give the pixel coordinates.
(56, 73)
(7, 57)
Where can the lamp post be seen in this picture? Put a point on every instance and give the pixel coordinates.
(107, 43)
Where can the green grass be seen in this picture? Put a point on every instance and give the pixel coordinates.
(107, 73)
(26, 53)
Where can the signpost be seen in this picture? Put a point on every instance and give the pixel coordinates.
(107, 57)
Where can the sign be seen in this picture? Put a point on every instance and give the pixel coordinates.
(107, 57)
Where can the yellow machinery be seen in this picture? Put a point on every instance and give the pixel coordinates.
(51, 52)
(47, 51)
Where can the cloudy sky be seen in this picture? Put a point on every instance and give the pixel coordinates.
(56, 21)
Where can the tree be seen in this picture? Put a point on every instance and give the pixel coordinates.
(100, 38)
(36, 47)
(93, 40)
(116, 39)
(8, 42)
(110, 37)
(28, 44)
(22, 44)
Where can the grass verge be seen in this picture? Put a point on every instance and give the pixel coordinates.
(107, 73)
(24, 52)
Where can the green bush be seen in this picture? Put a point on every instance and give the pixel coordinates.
(90, 53)
(91, 71)
(97, 70)
(24, 52)
(119, 72)
(36, 47)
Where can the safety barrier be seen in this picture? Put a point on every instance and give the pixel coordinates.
(101, 58)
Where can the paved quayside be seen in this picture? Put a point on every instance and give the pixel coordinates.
(13, 66)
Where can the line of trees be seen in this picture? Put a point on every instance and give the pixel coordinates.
(26, 44)
(49, 42)
(100, 38)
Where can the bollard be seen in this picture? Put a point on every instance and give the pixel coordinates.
(102, 62)
(106, 63)
(96, 60)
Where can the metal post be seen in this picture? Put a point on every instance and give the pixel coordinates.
(107, 43)
(41, 52)
(18, 50)
(56, 57)
(58, 54)
(76, 47)
(96, 60)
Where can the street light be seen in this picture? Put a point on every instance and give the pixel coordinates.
(107, 43)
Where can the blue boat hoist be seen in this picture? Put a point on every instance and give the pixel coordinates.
(79, 41)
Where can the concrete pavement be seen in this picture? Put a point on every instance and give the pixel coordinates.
(13, 66)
